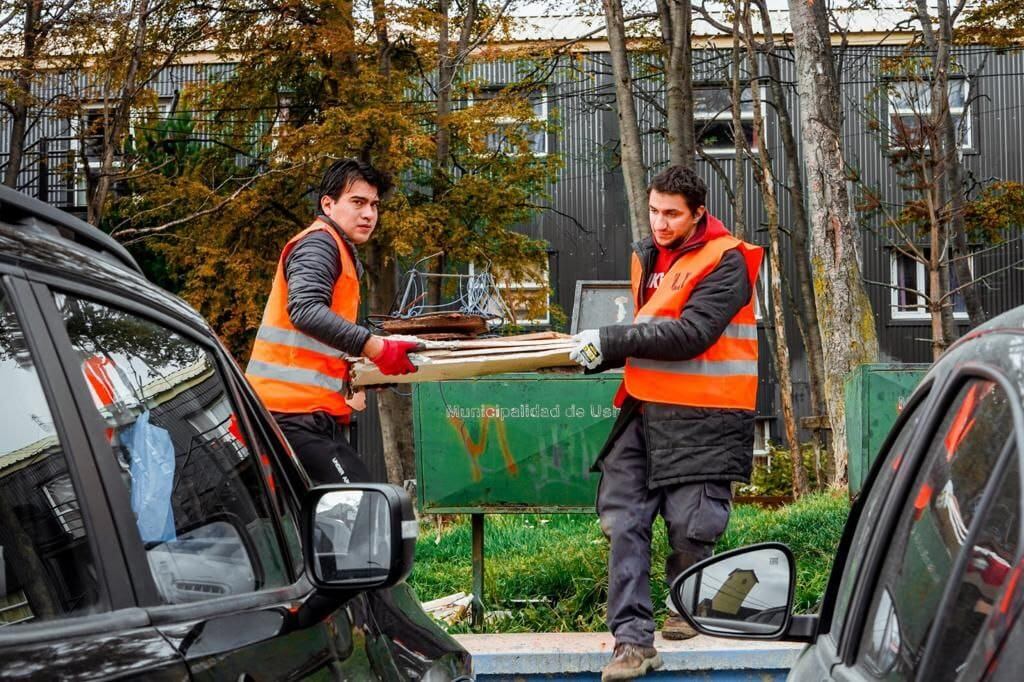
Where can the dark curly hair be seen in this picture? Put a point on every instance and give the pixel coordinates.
(342, 173)
(683, 181)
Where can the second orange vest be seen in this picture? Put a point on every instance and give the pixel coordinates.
(291, 371)
(723, 376)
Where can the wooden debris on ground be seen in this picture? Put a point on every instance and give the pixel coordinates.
(450, 609)
(444, 360)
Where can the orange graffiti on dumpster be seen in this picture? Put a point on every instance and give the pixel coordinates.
(476, 448)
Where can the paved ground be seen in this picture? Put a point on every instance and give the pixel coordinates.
(580, 656)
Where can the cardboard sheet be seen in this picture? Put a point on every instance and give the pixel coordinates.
(443, 360)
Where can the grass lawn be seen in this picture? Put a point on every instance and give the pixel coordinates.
(549, 570)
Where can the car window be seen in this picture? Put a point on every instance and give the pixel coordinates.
(933, 525)
(46, 567)
(866, 524)
(200, 504)
(989, 566)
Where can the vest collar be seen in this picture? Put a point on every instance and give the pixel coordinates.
(348, 242)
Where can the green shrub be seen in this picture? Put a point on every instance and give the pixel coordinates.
(775, 477)
(549, 571)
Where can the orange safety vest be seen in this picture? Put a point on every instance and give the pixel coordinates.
(291, 371)
(723, 376)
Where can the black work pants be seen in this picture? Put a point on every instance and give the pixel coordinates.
(322, 446)
(695, 514)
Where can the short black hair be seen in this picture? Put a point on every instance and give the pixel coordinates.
(343, 172)
(683, 181)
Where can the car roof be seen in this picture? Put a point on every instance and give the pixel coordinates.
(36, 236)
(18, 208)
(997, 343)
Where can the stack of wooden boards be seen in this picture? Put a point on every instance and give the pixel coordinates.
(443, 360)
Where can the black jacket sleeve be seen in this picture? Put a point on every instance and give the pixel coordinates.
(711, 306)
(312, 269)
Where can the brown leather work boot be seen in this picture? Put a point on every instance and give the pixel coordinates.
(676, 627)
(630, 661)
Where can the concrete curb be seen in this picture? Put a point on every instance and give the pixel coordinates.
(572, 653)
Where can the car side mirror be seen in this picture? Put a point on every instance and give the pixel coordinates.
(358, 536)
(746, 593)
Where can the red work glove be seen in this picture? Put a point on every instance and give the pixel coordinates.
(394, 359)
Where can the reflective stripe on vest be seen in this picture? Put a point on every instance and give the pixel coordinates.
(723, 376)
(735, 330)
(295, 338)
(294, 375)
(716, 368)
(291, 371)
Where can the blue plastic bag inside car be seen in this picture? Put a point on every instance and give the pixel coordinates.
(152, 471)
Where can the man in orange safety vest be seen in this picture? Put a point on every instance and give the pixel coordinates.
(686, 425)
(300, 361)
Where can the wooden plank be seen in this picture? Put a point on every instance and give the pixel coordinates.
(483, 352)
(520, 341)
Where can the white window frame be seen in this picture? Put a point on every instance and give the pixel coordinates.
(725, 117)
(920, 311)
(541, 117)
(965, 128)
(762, 436)
(762, 292)
(163, 110)
(78, 124)
(528, 284)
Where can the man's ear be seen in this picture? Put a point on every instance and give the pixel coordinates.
(325, 204)
(701, 211)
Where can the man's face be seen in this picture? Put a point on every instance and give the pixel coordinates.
(355, 210)
(672, 221)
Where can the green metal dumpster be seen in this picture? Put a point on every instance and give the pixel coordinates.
(511, 442)
(875, 394)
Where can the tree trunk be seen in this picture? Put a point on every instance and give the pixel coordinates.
(395, 410)
(954, 175)
(806, 309)
(117, 122)
(676, 19)
(380, 24)
(447, 68)
(739, 166)
(844, 310)
(23, 92)
(936, 287)
(766, 178)
(630, 147)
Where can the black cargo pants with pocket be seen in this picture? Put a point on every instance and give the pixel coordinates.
(322, 447)
(695, 514)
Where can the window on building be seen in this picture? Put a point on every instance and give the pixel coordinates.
(88, 139)
(148, 119)
(533, 129)
(202, 508)
(88, 134)
(762, 436)
(910, 109)
(911, 288)
(761, 291)
(93, 128)
(712, 118)
(527, 299)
